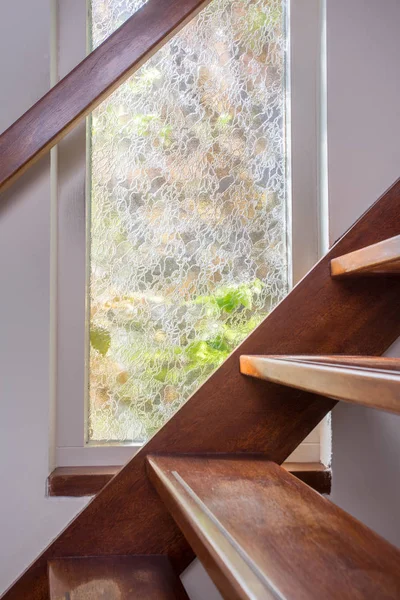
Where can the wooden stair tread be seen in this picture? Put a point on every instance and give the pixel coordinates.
(370, 381)
(262, 533)
(114, 578)
(382, 258)
(379, 363)
(87, 481)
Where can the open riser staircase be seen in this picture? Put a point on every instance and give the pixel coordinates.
(209, 483)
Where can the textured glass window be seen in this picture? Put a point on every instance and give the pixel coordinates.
(188, 236)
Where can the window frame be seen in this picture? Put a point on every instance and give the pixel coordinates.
(306, 242)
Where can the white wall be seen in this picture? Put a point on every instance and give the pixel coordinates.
(28, 520)
(364, 160)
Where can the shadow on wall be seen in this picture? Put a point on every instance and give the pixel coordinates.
(366, 465)
(198, 584)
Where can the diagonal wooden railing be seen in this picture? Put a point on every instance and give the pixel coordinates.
(95, 78)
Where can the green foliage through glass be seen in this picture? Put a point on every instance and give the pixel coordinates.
(188, 211)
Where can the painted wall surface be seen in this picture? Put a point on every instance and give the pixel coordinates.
(28, 520)
(364, 160)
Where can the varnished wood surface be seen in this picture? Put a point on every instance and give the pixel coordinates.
(88, 481)
(261, 533)
(382, 363)
(95, 78)
(382, 258)
(349, 380)
(114, 578)
(233, 413)
(79, 481)
(316, 475)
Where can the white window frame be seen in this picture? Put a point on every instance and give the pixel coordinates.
(307, 242)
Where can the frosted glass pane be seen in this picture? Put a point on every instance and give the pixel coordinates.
(188, 248)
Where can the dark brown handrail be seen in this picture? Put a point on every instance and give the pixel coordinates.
(95, 78)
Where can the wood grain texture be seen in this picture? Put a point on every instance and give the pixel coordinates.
(382, 258)
(350, 380)
(382, 363)
(79, 481)
(114, 578)
(316, 475)
(95, 78)
(261, 533)
(233, 413)
(88, 481)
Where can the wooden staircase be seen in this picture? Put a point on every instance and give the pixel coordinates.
(261, 533)
(220, 492)
(209, 482)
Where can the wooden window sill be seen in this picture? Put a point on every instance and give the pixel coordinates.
(87, 481)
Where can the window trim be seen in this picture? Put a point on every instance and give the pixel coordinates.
(69, 276)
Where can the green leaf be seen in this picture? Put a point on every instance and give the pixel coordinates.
(100, 339)
(245, 297)
(234, 298)
(229, 301)
(257, 286)
(219, 343)
(202, 353)
(162, 375)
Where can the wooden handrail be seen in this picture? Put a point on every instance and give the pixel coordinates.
(95, 78)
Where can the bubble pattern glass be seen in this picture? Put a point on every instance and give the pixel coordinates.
(188, 248)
